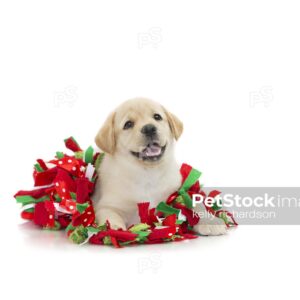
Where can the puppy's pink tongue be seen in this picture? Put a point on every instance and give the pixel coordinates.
(152, 150)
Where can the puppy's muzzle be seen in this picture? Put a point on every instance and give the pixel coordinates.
(153, 150)
(149, 131)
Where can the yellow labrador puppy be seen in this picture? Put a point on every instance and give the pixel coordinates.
(139, 166)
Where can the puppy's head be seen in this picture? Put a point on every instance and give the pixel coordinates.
(140, 129)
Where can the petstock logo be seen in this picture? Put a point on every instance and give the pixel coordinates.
(255, 205)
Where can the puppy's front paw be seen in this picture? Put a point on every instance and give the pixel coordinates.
(116, 224)
(114, 219)
(211, 226)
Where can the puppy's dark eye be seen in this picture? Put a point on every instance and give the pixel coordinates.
(128, 124)
(157, 117)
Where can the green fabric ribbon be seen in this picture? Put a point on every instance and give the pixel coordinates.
(88, 155)
(183, 195)
(167, 209)
(187, 184)
(27, 199)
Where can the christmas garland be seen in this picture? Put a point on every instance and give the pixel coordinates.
(61, 199)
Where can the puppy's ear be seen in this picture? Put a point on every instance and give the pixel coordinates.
(105, 139)
(175, 124)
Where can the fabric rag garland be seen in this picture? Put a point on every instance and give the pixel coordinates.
(62, 199)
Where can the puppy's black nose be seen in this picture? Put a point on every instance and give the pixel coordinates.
(149, 130)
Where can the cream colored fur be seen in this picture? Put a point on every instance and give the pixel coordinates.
(125, 179)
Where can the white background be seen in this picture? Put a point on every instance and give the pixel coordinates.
(228, 69)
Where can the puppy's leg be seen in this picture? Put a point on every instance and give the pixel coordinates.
(209, 224)
(214, 226)
(111, 215)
